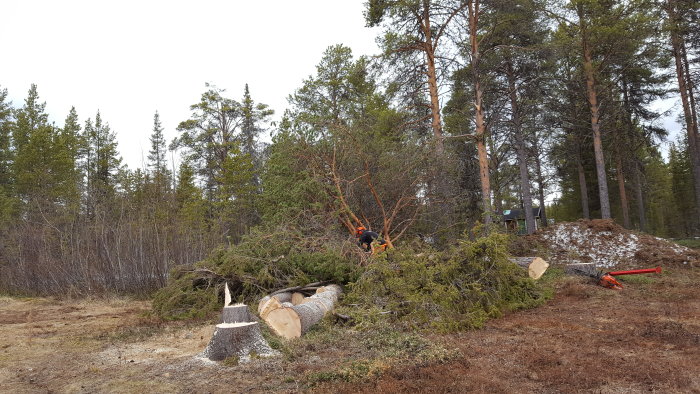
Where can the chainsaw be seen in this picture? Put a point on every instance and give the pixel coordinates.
(607, 279)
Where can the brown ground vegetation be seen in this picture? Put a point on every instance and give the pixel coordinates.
(587, 339)
(644, 338)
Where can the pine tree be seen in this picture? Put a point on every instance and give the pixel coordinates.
(102, 162)
(156, 156)
(415, 34)
(7, 200)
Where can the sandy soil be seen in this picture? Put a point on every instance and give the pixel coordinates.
(588, 339)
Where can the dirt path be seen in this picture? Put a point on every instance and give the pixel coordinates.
(588, 339)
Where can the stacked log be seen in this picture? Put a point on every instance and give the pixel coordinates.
(291, 321)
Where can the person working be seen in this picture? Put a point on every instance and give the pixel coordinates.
(366, 238)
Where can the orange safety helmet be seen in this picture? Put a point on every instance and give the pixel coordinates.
(359, 231)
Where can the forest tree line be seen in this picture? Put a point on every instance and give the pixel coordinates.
(472, 108)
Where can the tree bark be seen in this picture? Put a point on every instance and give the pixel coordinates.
(641, 212)
(236, 340)
(582, 187)
(293, 321)
(623, 192)
(540, 185)
(473, 7)
(436, 122)
(595, 119)
(520, 147)
(691, 128)
(235, 314)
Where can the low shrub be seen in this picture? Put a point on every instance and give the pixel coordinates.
(261, 263)
(457, 288)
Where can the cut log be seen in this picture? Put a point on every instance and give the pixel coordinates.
(294, 321)
(297, 298)
(268, 306)
(535, 266)
(280, 297)
(585, 269)
(236, 339)
(236, 314)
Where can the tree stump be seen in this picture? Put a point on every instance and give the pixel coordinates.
(235, 314)
(236, 339)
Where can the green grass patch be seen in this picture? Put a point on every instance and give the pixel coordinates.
(689, 243)
(637, 279)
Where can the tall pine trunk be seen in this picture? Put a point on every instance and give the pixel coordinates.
(436, 122)
(540, 185)
(520, 148)
(595, 119)
(682, 75)
(640, 197)
(582, 187)
(473, 6)
(623, 192)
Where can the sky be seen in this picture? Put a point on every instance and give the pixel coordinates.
(129, 59)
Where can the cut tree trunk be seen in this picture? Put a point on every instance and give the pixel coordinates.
(592, 93)
(268, 303)
(297, 298)
(293, 321)
(585, 269)
(236, 339)
(236, 314)
(536, 266)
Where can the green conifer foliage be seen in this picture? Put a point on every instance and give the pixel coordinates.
(7, 200)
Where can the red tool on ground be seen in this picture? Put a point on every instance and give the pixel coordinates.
(607, 279)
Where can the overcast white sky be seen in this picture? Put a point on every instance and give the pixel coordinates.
(130, 58)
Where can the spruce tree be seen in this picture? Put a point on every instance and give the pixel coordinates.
(7, 199)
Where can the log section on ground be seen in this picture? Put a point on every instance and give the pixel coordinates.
(236, 339)
(297, 298)
(292, 322)
(269, 303)
(584, 269)
(535, 266)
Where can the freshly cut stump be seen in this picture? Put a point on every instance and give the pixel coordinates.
(236, 314)
(293, 321)
(236, 339)
(535, 266)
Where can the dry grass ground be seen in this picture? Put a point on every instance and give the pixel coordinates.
(588, 339)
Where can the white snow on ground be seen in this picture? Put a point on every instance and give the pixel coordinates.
(601, 247)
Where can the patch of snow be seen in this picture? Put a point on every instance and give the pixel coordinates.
(594, 246)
